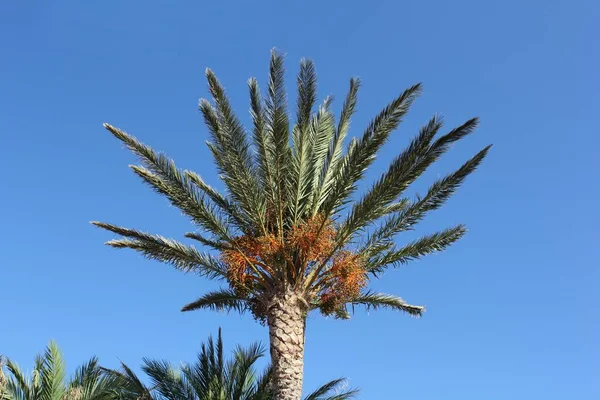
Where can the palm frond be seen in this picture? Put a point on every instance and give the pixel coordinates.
(334, 154)
(263, 141)
(402, 172)
(243, 374)
(52, 373)
(306, 172)
(324, 129)
(219, 300)
(18, 385)
(303, 138)
(262, 387)
(341, 313)
(86, 372)
(128, 385)
(232, 152)
(436, 196)
(277, 126)
(89, 381)
(182, 257)
(362, 152)
(375, 301)
(165, 379)
(307, 92)
(163, 176)
(230, 208)
(207, 242)
(207, 374)
(333, 390)
(417, 249)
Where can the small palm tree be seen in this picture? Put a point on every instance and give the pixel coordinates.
(48, 380)
(289, 237)
(211, 377)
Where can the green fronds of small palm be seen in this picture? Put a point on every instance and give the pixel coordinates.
(211, 376)
(290, 217)
(48, 380)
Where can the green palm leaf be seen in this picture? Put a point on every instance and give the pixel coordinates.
(48, 380)
(417, 249)
(277, 128)
(185, 258)
(53, 374)
(219, 300)
(436, 196)
(362, 154)
(334, 154)
(375, 301)
(232, 152)
(212, 377)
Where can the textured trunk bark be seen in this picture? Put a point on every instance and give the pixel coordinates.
(286, 318)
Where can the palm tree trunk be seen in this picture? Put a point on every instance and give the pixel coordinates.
(286, 318)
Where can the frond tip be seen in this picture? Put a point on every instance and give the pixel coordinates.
(375, 301)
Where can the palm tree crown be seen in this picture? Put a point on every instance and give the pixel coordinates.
(287, 234)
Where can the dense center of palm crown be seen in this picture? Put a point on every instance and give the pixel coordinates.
(305, 259)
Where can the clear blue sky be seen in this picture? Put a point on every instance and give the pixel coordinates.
(512, 308)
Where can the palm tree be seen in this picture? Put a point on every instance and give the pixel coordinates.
(287, 234)
(211, 377)
(48, 380)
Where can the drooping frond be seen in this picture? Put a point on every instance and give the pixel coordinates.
(374, 301)
(417, 249)
(164, 177)
(219, 300)
(362, 153)
(183, 257)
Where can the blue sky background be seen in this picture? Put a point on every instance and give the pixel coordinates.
(512, 308)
